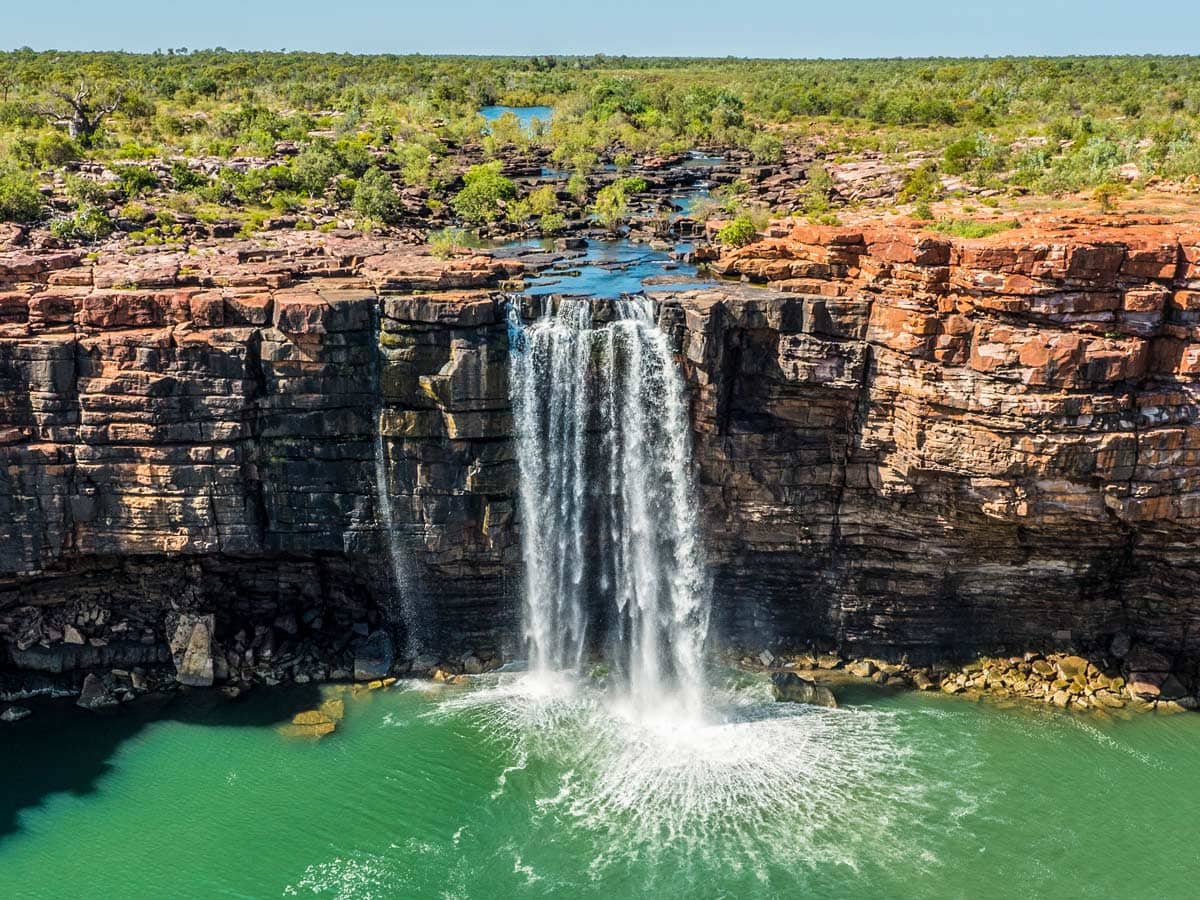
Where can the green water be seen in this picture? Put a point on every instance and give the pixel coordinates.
(503, 791)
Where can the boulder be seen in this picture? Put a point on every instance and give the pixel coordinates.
(374, 656)
(191, 649)
(1072, 668)
(922, 682)
(864, 668)
(789, 687)
(312, 723)
(15, 714)
(95, 693)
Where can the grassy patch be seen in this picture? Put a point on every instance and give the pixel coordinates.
(970, 228)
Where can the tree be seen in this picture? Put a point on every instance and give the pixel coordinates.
(83, 116)
(484, 189)
(611, 207)
(376, 198)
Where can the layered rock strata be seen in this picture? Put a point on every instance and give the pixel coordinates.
(195, 433)
(907, 445)
(949, 446)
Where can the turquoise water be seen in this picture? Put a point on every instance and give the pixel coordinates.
(516, 789)
(525, 114)
(608, 269)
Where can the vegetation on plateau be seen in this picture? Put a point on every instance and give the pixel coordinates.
(94, 143)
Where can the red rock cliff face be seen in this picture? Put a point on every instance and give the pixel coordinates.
(949, 445)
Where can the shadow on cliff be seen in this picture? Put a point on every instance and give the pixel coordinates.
(62, 748)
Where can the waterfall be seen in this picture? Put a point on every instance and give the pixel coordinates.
(402, 579)
(612, 556)
(406, 602)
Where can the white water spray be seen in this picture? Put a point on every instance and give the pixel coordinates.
(608, 505)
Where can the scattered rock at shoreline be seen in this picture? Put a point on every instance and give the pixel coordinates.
(95, 694)
(15, 714)
(789, 687)
(191, 649)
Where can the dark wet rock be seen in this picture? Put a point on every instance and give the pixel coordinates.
(791, 688)
(15, 714)
(374, 656)
(1120, 646)
(95, 694)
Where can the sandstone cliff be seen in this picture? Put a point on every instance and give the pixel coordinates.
(907, 444)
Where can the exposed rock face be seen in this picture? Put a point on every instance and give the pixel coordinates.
(945, 445)
(907, 444)
(196, 434)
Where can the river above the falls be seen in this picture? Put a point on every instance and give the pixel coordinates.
(604, 269)
(506, 788)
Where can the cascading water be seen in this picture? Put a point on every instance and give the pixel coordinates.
(397, 562)
(609, 534)
(405, 603)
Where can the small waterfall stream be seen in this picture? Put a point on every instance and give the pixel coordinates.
(612, 556)
(407, 601)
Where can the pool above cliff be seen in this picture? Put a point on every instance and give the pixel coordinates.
(605, 268)
(525, 114)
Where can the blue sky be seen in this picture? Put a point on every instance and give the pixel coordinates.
(793, 28)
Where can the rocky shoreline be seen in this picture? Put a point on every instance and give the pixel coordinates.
(1133, 678)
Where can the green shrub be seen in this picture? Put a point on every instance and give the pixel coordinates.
(20, 199)
(767, 147)
(543, 201)
(444, 243)
(314, 168)
(611, 206)
(86, 190)
(814, 196)
(738, 233)
(921, 183)
(353, 157)
(375, 198)
(1106, 196)
(552, 223)
(960, 156)
(632, 185)
(88, 224)
(577, 187)
(922, 212)
(969, 228)
(484, 188)
(53, 148)
(186, 178)
(136, 180)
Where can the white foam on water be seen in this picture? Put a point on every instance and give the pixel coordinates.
(751, 786)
